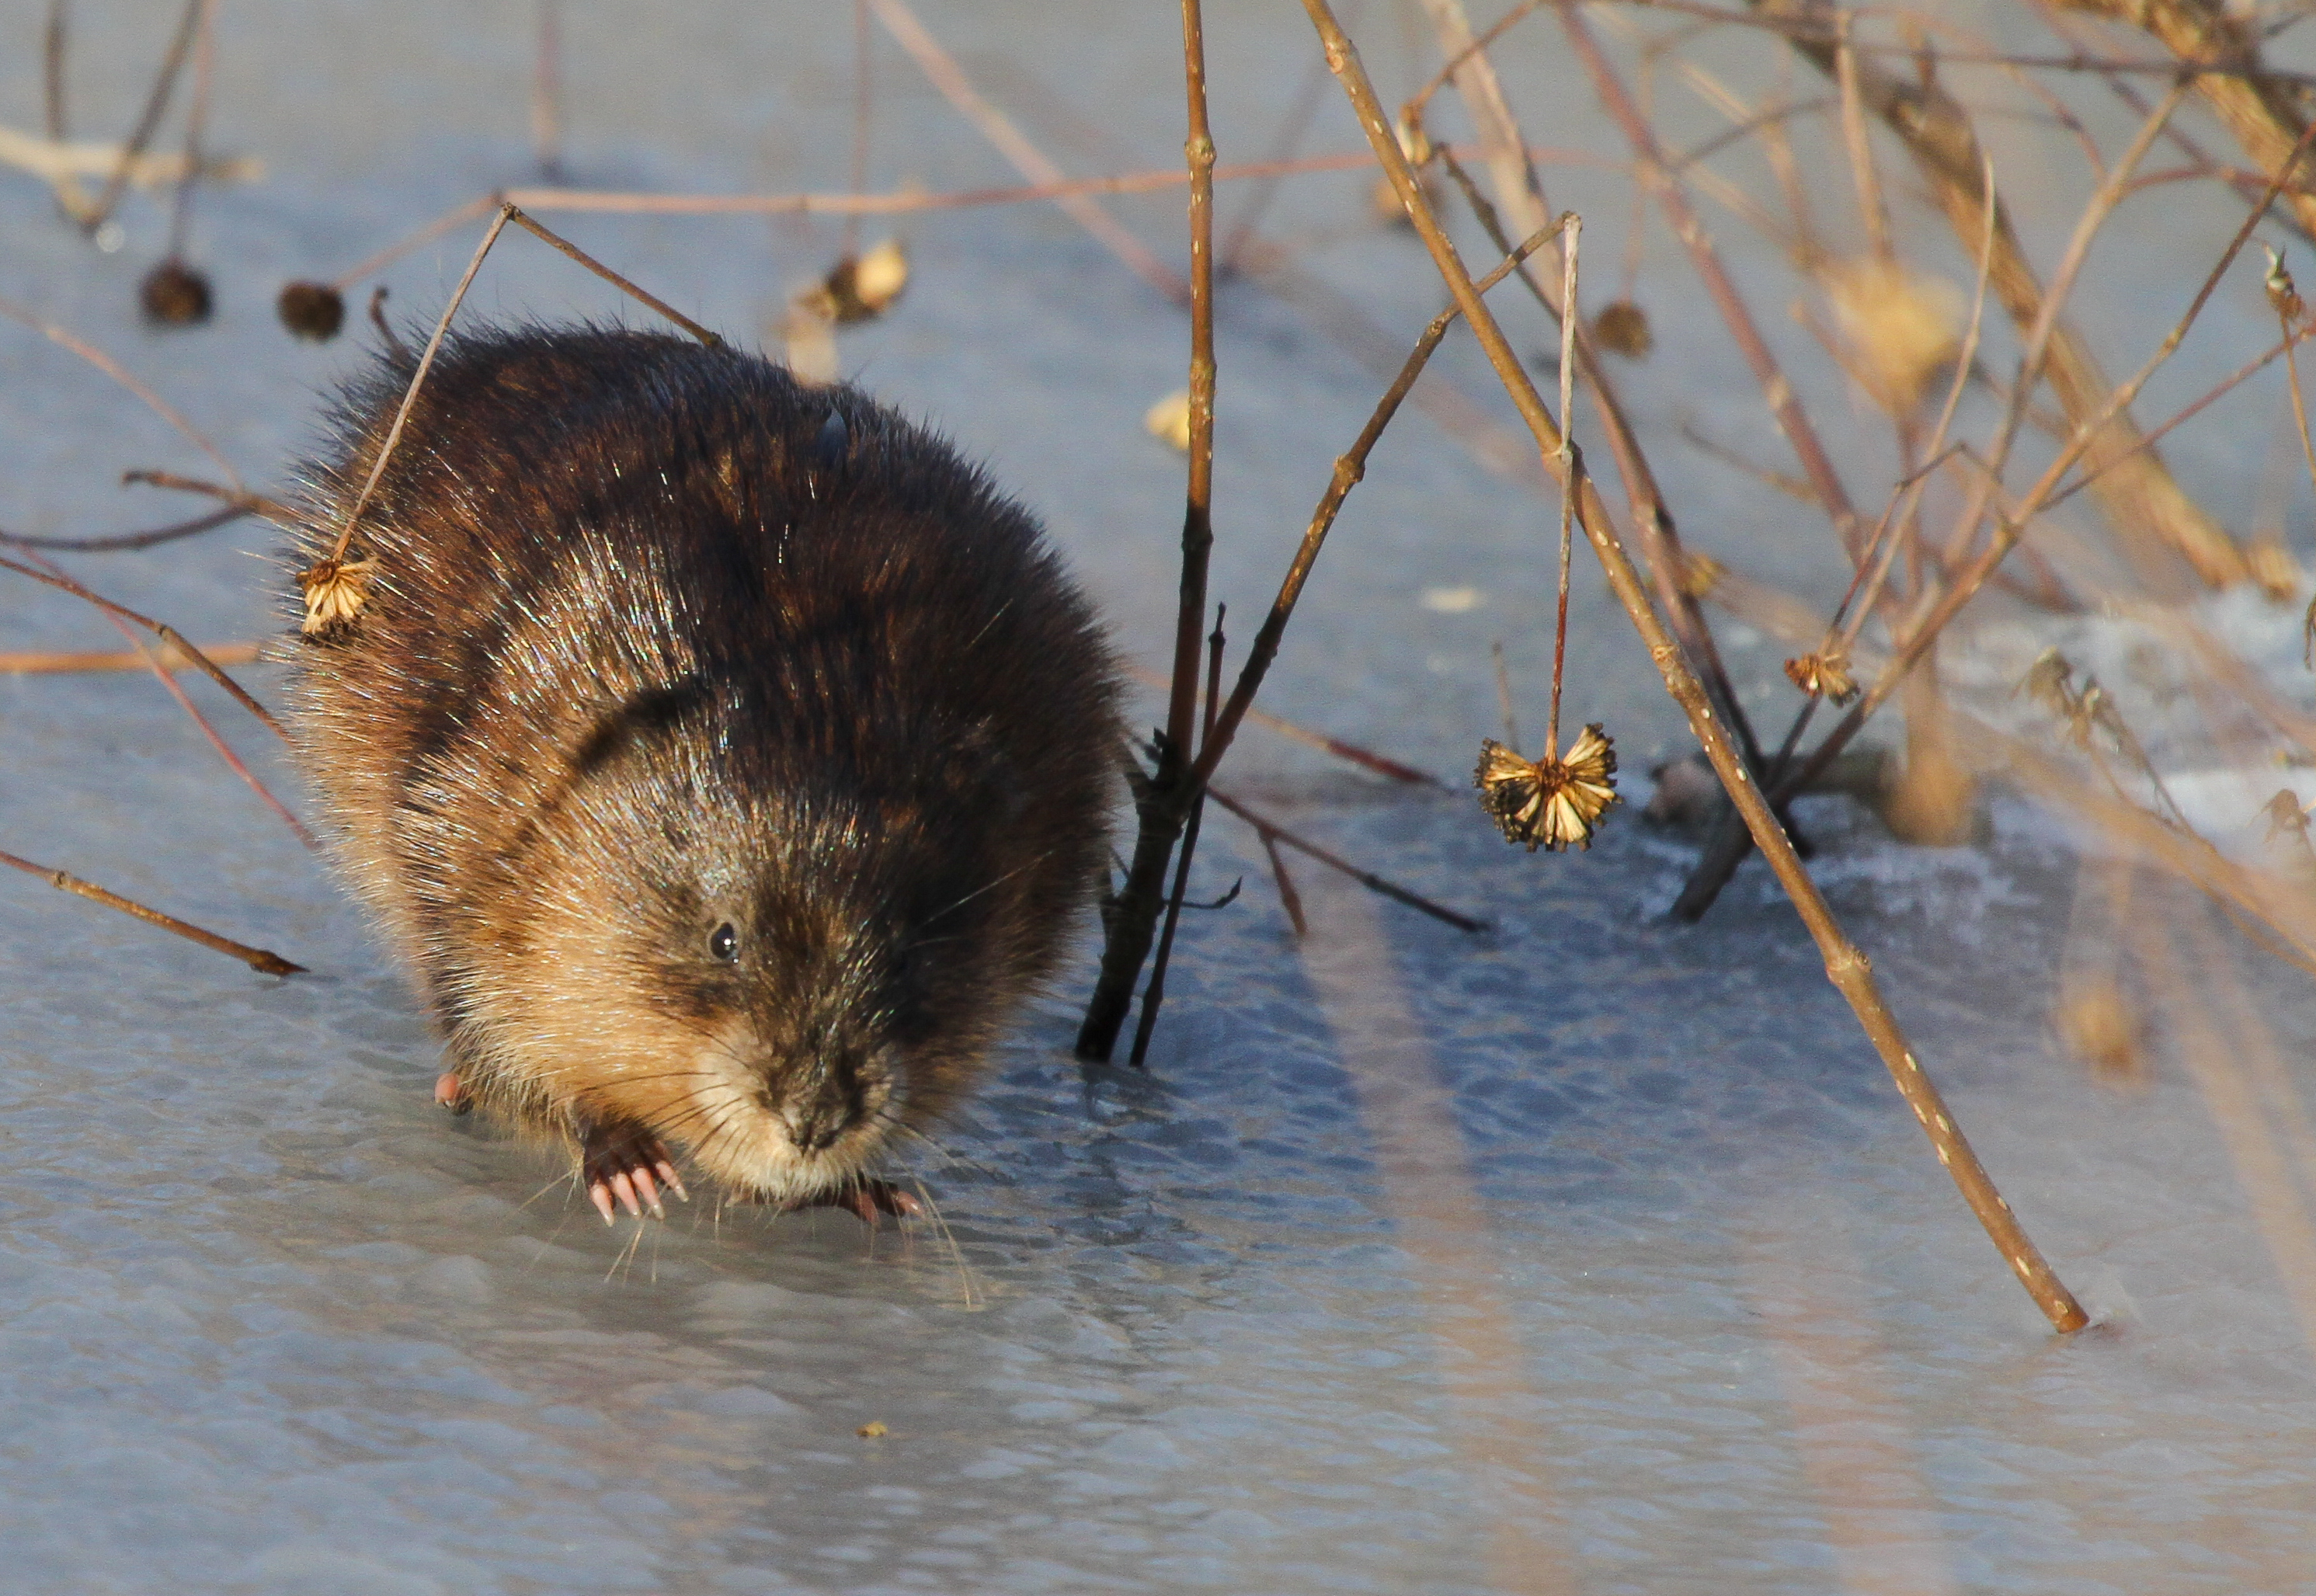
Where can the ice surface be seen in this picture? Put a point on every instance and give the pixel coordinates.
(1592, 1255)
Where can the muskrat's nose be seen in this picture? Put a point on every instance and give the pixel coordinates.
(833, 1107)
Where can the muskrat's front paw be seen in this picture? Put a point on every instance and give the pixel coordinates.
(868, 1198)
(450, 1092)
(624, 1166)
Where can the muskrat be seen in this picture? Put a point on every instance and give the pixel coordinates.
(725, 755)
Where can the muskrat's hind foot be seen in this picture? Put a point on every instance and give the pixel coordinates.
(867, 1197)
(618, 1163)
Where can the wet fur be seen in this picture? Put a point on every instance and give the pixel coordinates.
(652, 646)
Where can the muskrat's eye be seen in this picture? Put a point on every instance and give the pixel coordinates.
(723, 944)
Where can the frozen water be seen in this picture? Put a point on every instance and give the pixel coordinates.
(1592, 1254)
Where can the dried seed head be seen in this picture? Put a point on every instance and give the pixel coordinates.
(2050, 681)
(860, 288)
(1169, 420)
(312, 310)
(1700, 574)
(2283, 294)
(175, 295)
(1548, 803)
(1903, 325)
(1622, 327)
(1414, 143)
(1825, 673)
(335, 592)
(2285, 817)
(2100, 1025)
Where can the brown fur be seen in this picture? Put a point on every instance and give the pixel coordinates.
(654, 647)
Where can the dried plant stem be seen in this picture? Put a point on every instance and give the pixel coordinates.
(162, 669)
(2298, 402)
(1145, 873)
(118, 541)
(1660, 536)
(1776, 391)
(1936, 131)
(507, 212)
(1350, 467)
(1168, 802)
(861, 118)
(417, 382)
(49, 662)
(1921, 631)
(514, 214)
(941, 68)
(1289, 899)
(1846, 967)
(161, 629)
(2263, 110)
(156, 104)
(1153, 994)
(197, 116)
(1270, 830)
(257, 958)
(246, 503)
(1504, 695)
(1351, 752)
(1572, 467)
(448, 221)
(1938, 609)
(547, 92)
(65, 339)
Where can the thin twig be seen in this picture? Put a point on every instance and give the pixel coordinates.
(515, 215)
(417, 382)
(163, 667)
(117, 541)
(941, 69)
(161, 629)
(257, 958)
(1167, 803)
(165, 83)
(49, 663)
(1846, 967)
(247, 503)
(120, 374)
(1571, 467)
(1154, 993)
(181, 200)
(1272, 829)
(1351, 753)
(448, 221)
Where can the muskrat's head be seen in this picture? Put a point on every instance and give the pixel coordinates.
(772, 961)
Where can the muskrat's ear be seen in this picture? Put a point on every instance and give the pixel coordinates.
(643, 715)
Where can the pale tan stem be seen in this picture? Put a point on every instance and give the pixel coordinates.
(941, 68)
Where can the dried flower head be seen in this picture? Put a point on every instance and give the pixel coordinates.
(1550, 802)
(2285, 817)
(312, 310)
(2100, 1025)
(1905, 325)
(1623, 328)
(2283, 294)
(1700, 574)
(1169, 420)
(860, 288)
(175, 295)
(335, 592)
(1823, 674)
(2050, 681)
